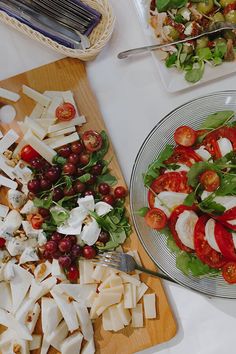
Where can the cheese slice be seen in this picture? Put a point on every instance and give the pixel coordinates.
(6, 182)
(62, 132)
(43, 149)
(72, 344)
(124, 314)
(50, 141)
(86, 270)
(137, 316)
(8, 140)
(99, 273)
(3, 210)
(19, 286)
(140, 291)
(19, 147)
(57, 336)
(32, 317)
(129, 279)
(117, 323)
(36, 342)
(37, 290)
(106, 299)
(79, 292)
(45, 123)
(149, 302)
(5, 296)
(8, 170)
(9, 95)
(35, 127)
(64, 140)
(42, 271)
(19, 343)
(63, 125)
(106, 320)
(55, 102)
(89, 347)
(45, 346)
(57, 270)
(37, 111)
(9, 321)
(128, 296)
(36, 96)
(51, 315)
(26, 306)
(84, 320)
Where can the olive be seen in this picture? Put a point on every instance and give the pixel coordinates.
(218, 17)
(202, 42)
(228, 34)
(231, 16)
(225, 3)
(205, 7)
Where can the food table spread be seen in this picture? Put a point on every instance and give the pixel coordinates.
(132, 100)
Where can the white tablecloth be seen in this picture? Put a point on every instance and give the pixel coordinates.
(132, 101)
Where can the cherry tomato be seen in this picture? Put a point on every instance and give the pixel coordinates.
(28, 153)
(210, 180)
(172, 222)
(69, 169)
(65, 112)
(169, 181)
(228, 216)
(156, 219)
(225, 242)
(120, 192)
(229, 272)
(36, 220)
(109, 199)
(92, 140)
(73, 273)
(203, 250)
(210, 140)
(64, 151)
(184, 155)
(77, 147)
(185, 136)
(89, 252)
(104, 188)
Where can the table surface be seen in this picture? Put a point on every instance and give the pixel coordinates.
(132, 97)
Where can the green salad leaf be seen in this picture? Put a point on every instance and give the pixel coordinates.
(195, 74)
(217, 119)
(59, 215)
(197, 169)
(107, 178)
(43, 203)
(171, 60)
(84, 178)
(164, 5)
(190, 199)
(142, 211)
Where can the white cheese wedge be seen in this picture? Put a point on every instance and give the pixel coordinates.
(23, 173)
(87, 202)
(84, 320)
(86, 270)
(42, 239)
(12, 222)
(72, 344)
(102, 208)
(5, 296)
(16, 199)
(32, 317)
(64, 140)
(19, 286)
(29, 255)
(22, 312)
(3, 210)
(67, 229)
(58, 335)
(203, 153)
(37, 111)
(77, 215)
(55, 102)
(117, 323)
(9, 95)
(36, 128)
(67, 310)
(140, 291)
(15, 246)
(185, 227)
(79, 292)
(89, 347)
(62, 132)
(8, 170)
(210, 234)
(43, 149)
(57, 270)
(8, 271)
(6, 182)
(8, 140)
(137, 316)
(29, 230)
(43, 100)
(38, 290)
(29, 208)
(149, 302)
(90, 233)
(45, 346)
(124, 314)
(36, 342)
(42, 271)
(9, 321)
(50, 314)
(225, 146)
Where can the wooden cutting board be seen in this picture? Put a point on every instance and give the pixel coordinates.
(70, 74)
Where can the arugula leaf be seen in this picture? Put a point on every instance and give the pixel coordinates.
(154, 168)
(107, 178)
(195, 74)
(164, 5)
(59, 160)
(48, 227)
(217, 119)
(68, 181)
(227, 185)
(197, 169)
(59, 215)
(68, 202)
(190, 199)
(142, 211)
(210, 206)
(43, 203)
(170, 60)
(85, 178)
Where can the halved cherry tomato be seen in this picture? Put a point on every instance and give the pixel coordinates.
(225, 243)
(228, 216)
(28, 153)
(210, 140)
(229, 8)
(36, 220)
(172, 222)
(66, 111)
(203, 250)
(210, 180)
(156, 219)
(229, 272)
(185, 136)
(184, 155)
(92, 140)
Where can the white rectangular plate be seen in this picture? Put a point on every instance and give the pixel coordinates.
(172, 79)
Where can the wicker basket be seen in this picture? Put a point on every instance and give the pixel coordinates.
(98, 38)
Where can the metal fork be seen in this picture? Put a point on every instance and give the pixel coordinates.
(125, 263)
(214, 28)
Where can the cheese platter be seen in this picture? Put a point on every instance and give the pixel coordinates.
(46, 292)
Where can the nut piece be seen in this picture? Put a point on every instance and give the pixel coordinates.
(42, 271)
(17, 349)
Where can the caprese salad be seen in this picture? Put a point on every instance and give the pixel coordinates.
(192, 196)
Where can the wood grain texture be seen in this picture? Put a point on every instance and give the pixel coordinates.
(70, 74)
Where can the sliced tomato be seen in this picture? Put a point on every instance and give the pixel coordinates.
(169, 181)
(184, 187)
(203, 250)
(172, 222)
(210, 140)
(185, 136)
(228, 216)
(184, 155)
(229, 8)
(28, 153)
(210, 180)
(156, 219)
(225, 243)
(36, 220)
(66, 111)
(229, 272)
(92, 140)
(151, 199)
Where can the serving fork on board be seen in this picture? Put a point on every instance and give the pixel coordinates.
(214, 28)
(125, 263)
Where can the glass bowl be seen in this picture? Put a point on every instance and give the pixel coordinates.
(191, 113)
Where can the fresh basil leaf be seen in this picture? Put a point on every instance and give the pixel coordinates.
(59, 160)
(217, 119)
(190, 199)
(154, 168)
(85, 178)
(142, 211)
(204, 53)
(171, 60)
(195, 74)
(43, 203)
(59, 215)
(107, 178)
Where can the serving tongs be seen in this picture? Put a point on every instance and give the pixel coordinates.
(214, 28)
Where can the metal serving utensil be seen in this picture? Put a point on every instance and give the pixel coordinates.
(125, 263)
(214, 28)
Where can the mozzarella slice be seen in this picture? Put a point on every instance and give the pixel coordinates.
(28, 255)
(9, 321)
(87, 202)
(84, 320)
(203, 153)
(171, 199)
(205, 194)
(102, 208)
(19, 286)
(210, 234)
(228, 201)
(225, 146)
(90, 232)
(72, 344)
(185, 227)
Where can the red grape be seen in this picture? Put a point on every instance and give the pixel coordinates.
(51, 246)
(84, 159)
(104, 237)
(72, 238)
(64, 151)
(76, 251)
(109, 199)
(57, 194)
(65, 245)
(37, 163)
(69, 169)
(77, 147)
(69, 191)
(73, 158)
(80, 187)
(88, 192)
(45, 213)
(53, 174)
(120, 192)
(45, 184)
(91, 180)
(104, 188)
(57, 254)
(64, 261)
(34, 185)
(47, 255)
(73, 273)
(2, 242)
(89, 252)
(97, 169)
(56, 236)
